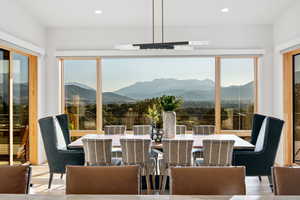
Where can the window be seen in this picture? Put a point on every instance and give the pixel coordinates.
(80, 80)
(131, 85)
(216, 91)
(237, 93)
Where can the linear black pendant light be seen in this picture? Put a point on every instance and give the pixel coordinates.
(178, 45)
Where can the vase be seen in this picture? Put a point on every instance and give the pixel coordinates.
(169, 124)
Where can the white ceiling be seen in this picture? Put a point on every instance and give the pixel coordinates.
(137, 13)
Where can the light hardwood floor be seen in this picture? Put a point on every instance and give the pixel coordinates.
(40, 177)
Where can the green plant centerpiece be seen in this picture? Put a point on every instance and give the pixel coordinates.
(154, 115)
(169, 104)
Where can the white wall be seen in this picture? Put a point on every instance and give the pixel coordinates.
(20, 30)
(17, 22)
(286, 36)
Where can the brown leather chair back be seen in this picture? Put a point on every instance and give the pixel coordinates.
(208, 181)
(286, 180)
(14, 179)
(102, 180)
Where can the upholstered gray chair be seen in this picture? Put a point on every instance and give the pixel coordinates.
(114, 130)
(142, 129)
(137, 152)
(98, 152)
(201, 130)
(260, 161)
(58, 155)
(180, 129)
(217, 153)
(176, 153)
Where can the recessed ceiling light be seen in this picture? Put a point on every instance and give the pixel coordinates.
(224, 10)
(97, 12)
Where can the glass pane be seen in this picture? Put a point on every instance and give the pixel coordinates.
(4, 107)
(297, 108)
(20, 108)
(80, 82)
(131, 86)
(237, 93)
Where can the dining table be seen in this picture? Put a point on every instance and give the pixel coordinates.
(198, 140)
(142, 197)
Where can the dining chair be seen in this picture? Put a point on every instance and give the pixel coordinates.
(257, 122)
(103, 180)
(180, 129)
(115, 130)
(142, 129)
(146, 130)
(63, 121)
(137, 152)
(207, 181)
(98, 152)
(201, 130)
(260, 161)
(15, 179)
(217, 153)
(286, 180)
(58, 155)
(176, 153)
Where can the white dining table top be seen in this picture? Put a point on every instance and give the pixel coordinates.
(142, 197)
(198, 140)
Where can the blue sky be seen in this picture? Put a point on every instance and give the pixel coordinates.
(122, 72)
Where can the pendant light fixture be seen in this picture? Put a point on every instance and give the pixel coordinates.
(178, 45)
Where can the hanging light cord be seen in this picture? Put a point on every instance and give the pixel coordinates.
(152, 21)
(162, 21)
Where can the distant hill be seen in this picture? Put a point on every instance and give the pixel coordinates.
(157, 87)
(110, 98)
(190, 90)
(87, 94)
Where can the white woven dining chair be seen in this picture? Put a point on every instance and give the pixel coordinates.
(137, 152)
(176, 153)
(217, 153)
(98, 152)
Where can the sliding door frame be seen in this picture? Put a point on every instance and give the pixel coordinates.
(288, 102)
(33, 104)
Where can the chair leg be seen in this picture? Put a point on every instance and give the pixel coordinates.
(270, 182)
(164, 183)
(153, 182)
(61, 176)
(160, 177)
(148, 184)
(259, 178)
(50, 180)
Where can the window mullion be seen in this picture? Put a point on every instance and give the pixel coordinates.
(218, 94)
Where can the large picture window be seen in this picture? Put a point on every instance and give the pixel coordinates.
(216, 91)
(132, 85)
(237, 93)
(80, 89)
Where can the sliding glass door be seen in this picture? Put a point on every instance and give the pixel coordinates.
(20, 102)
(4, 107)
(14, 107)
(296, 109)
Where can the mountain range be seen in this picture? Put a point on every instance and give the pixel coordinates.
(190, 90)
